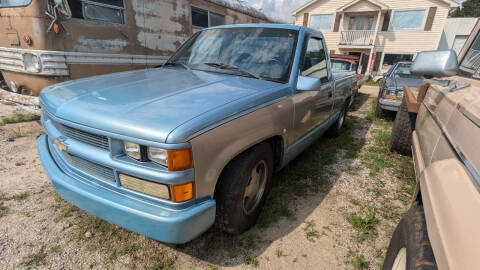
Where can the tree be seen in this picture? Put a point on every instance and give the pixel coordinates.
(469, 8)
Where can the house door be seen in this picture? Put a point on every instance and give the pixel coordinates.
(364, 63)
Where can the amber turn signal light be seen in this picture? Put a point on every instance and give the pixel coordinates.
(183, 192)
(180, 159)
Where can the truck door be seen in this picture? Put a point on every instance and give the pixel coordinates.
(312, 108)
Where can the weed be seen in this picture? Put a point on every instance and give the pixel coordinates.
(310, 232)
(18, 118)
(357, 260)
(252, 261)
(20, 197)
(164, 262)
(34, 260)
(55, 249)
(365, 224)
(355, 202)
(327, 228)
(3, 210)
(251, 241)
(232, 254)
(280, 253)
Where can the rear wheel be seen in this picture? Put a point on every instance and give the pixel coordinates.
(410, 246)
(403, 127)
(334, 130)
(243, 188)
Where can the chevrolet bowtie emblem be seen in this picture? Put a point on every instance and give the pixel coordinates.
(60, 145)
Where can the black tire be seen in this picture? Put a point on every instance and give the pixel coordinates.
(403, 127)
(336, 128)
(233, 215)
(411, 239)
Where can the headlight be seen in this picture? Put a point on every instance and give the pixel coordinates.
(158, 155)
(31, 62)
(174, 159)
(132, 150)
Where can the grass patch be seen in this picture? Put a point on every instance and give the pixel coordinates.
(280, 253)
(3, 210)
(18, 197)
(308, 173)
(371, 82)
(310, 232)
(252, 261)
(365, 224)
(357, 260)
(34, 260)
(18, 118)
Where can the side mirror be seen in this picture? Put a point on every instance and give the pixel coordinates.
(436, 64)
(308, 83)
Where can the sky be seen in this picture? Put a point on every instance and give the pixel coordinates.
(283, 8)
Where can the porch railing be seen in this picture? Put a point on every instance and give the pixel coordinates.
(358, 37)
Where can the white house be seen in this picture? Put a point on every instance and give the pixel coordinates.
(380, 32)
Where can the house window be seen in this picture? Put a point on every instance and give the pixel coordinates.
(110, 11)
(321, 21)
(408, 19)
(203, 18)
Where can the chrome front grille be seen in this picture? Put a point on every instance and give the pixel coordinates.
(98, 141)
(95, 170)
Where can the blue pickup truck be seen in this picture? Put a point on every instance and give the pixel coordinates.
(170, 151)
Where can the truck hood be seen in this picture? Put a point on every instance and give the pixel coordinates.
(150, 104)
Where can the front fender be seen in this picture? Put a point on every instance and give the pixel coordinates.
(214, 149)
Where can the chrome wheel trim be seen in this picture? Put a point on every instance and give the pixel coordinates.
(255, 187)
(400, 262)
(341, 120)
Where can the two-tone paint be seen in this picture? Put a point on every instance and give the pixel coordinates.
(218, 115)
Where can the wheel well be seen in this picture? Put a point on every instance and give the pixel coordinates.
(276, 142)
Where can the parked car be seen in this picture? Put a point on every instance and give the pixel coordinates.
(440, 122)
(167, 152)
(390, 94)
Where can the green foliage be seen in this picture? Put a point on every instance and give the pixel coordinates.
(469, 8)
(371, 82)
(364, 223)
(19, 117)
(357, 260)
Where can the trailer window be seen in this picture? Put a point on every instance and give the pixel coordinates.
(110, 11)
(14, 3)
(202, 18)
(470, 64)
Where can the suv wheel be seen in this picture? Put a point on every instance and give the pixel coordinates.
(410, 246)
(403, 127)
(243, 188)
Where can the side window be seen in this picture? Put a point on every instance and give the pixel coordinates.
(315, 62)
(110, 11)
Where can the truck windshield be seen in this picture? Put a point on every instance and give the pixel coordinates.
(338, 65)
(264, 53)
(470, 65)
(14, 3)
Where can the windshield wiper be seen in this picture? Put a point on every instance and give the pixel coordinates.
(229, 66)
(177, 64)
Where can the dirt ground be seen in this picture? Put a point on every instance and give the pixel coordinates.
(334, 207)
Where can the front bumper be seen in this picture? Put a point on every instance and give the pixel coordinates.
(390, 104)
(155, 221)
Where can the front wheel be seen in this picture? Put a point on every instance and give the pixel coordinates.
(410, 246)
(243, 188)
